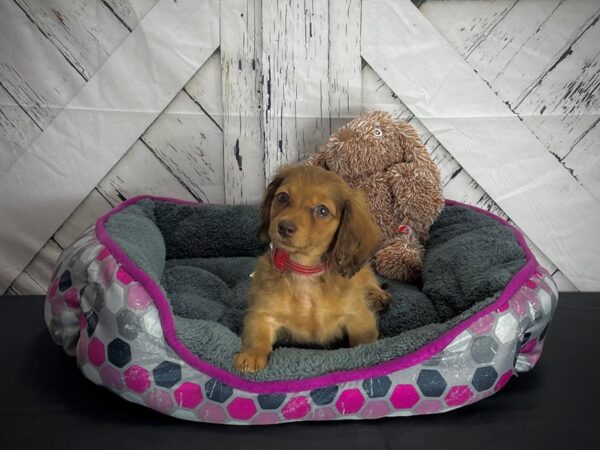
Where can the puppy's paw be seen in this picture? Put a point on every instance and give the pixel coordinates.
(379, 300)
(250, 362)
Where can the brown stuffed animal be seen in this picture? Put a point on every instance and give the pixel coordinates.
(386, 159)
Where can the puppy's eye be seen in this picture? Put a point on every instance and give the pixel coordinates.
(378, 132)
(283, 197)
(322, 210)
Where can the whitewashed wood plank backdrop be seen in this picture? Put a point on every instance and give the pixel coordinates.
(286, 74)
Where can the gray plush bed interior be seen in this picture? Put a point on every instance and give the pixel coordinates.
(201, 256)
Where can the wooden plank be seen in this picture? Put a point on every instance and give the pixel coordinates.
(466, 24)
(141, 173)
(296, 95)
(241, 51)
(25, 285)
(32, 70)
(513, 167)
(189, 144)
(130, 12)
(205, 88)
(17, 130)
(584, 161)
(92, 207)
(90, 134)
(565, 104)
(345, 83)
(84, 32)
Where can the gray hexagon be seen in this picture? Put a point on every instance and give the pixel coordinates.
(217, 391)
(431, 383)
(95, 295)
(484, 378)
(377, 387)
(484, 349)
(129, 324)
(271, 401)
(323, 396)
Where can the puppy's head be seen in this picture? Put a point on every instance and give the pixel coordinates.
(312, 212)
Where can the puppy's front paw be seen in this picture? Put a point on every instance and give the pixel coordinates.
(379, 300)
(250, 362)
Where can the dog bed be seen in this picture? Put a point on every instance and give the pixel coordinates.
(150, 300)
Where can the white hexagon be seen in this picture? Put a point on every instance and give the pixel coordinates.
(185, 415)
(460, 343)
(131, 397)
(115, 297)
(91, 373)
(545, 300)
(93, 270)
(506, 328)
(90, 253)
(152, 323)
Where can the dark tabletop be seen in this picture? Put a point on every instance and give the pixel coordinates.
(46, 403)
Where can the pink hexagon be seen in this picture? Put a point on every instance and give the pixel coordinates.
(71, 298)
(96, 352)
(188, 395)
(296, 408)
(241, 408)
(52, 288)
(267, 418)
(211, 412)
(137, 379)
(123, 276)
(531, 284)
(323, 413)
(457, 395)
(405, 396)
(350, 401)
(503, 380)
(137, 297)
(102, 254)
(518, 304)
(111, 378)
(483, 324)
(503, 307)
(429, 407)
(107, 270)
(375, 410)
(159, 400)
(529, 347)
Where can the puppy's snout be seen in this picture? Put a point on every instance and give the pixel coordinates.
(286, 228)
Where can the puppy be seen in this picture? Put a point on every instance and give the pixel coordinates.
(313, 285)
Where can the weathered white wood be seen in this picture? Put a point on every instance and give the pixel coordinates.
(141, 173)
(11, 292)
(375, 94)
(243, 149)
(85, 32)
(40, 269)
(205, 88)
(512, 166)
(345, 82)
(31, 69)
(91, 133)
(17, 130)
(565, 104)
(190, 146)
(295, 75)
(130, 12)
(25, 285)
(584, 161)
(92, 207)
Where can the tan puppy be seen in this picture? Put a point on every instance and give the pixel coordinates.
(313, 284)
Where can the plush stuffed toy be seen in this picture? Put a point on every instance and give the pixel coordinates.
(386, 159)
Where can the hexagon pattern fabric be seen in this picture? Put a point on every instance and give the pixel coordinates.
(104, 317)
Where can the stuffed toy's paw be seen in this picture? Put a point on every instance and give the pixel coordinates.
(400, 259)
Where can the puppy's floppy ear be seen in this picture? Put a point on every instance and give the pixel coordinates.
(358, 235)
(265, 208)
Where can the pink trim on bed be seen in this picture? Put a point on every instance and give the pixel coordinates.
(266, 387)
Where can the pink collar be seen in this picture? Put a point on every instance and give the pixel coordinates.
(281, 259)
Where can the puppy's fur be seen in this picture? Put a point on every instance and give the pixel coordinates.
(315, 309)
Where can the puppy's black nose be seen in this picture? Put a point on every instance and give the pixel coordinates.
(286, 228)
